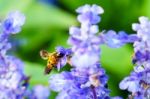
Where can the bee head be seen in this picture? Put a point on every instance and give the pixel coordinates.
(44, 54)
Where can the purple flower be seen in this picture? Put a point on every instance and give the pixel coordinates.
(86, 80)
(114, 40)
(37, 92)
(6, 93)
(78, 83)
(85, 42)
(59, 82)
(142, 28)
(13, 82)
(13, 22)
(85, 39)
(84, 60)
(131, 83)
(138, 82)
(41, 92)
(12, 77)
(85, 45)
(142, 46)
(82, 40)
(89, 14)
(64, 54)
(94, 8)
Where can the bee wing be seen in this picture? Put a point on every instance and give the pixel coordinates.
(44, 54)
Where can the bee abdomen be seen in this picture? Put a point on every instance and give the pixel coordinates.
(47, 70)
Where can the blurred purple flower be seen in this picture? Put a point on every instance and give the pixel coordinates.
(13, 22)
(13, 81)
(41, 92)
(11, 68)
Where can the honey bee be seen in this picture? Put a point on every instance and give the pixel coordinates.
(52, 59)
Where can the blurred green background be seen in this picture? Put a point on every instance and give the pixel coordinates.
(47, 25)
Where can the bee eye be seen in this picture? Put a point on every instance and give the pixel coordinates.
(44, 54)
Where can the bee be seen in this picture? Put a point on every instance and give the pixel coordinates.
(52, 59)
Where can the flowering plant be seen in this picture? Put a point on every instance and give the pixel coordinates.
(13, 81)
(86, 78)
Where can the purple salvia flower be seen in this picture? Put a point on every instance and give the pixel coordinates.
(41, 92)
(116, 40)
(13, 81)
(89, 14)
(12, 77)
(85, 42)
(139, 83)
(65, 53)
(77, 83)
(142, 46)
(59, 82)
(37, 92)
(131, 83)
(86, 80)
(84, 60)
(13, 22)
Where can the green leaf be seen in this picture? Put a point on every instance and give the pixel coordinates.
(117, 61)
(6, 5)
(37, 14)
(110, 19)
(146, 8)
(47, 16)
(118, 64)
